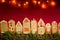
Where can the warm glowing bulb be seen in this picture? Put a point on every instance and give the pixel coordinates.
(26, 2)
(53, 3)
(38, 2)
(34, 2)
(13, 2)
(3, 1)
(19, 5)
(43, 5)
(25, 5)
(47, 1)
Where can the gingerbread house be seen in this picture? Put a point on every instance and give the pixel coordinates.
(11, 25)
(26, 26)
(41, 27)
(33, 26)
(59, 28)
(48, 28)
(4, 26)
(54, 27)
(19, 27)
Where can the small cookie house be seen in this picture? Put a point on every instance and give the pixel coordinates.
(59, 28)
(19, 27)
(11, 25)
(26, 26)
(48, 28)
(33, 26)
(4, 26)
(41, 27)
(54, 27)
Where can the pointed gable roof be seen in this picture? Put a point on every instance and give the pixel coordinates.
(41, 22)
(19, 23)
(26, 20)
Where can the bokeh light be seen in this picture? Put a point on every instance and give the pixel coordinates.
(44, 6)
(53, 3)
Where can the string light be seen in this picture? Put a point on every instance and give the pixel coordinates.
(43, 6)
(47, 1)
(3, 1)
(35, 2)
(26, 4)
(19, 5)
(38, 2)
(53, 3)
(13, 2)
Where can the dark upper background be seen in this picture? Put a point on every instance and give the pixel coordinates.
(8, 12)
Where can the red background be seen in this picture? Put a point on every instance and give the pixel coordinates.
(48, 15)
